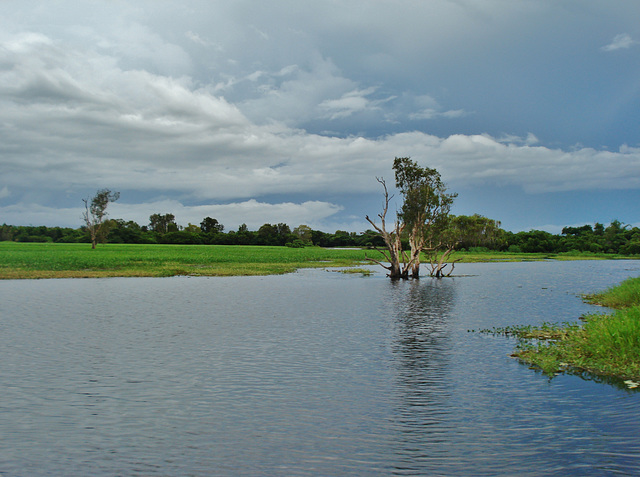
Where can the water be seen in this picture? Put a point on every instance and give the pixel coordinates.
(313, 373)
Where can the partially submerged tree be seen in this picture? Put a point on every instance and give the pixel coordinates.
(425, 209)
(422, 219)
(95, 214)
(397, 263)
(473, 231)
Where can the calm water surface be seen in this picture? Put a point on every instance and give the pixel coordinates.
(313, 373)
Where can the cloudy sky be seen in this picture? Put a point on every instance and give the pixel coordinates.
(287, 110)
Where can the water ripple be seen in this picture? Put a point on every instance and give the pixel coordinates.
(313, 373)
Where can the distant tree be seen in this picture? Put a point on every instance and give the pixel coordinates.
(370, 239)
(278, 234)
(283, 230)
(598, 229)
(577, 230)
(211, 226)
(124, 232)
(304, 234)
(163, 224)
(192, 229)
(6, 232)
(180, 237)
(95, 214)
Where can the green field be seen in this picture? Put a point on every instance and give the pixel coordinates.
(49, 260)
(33, 260)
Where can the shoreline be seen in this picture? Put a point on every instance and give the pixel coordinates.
(20, 261)
(603, 345)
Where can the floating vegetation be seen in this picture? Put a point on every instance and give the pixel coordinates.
(362, 271)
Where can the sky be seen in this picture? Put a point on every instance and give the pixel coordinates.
(255, 112)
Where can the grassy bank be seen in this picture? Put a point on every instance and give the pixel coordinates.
(33, 260)
(605, 345)
(49, 260)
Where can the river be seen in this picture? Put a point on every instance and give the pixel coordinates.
(311, 373)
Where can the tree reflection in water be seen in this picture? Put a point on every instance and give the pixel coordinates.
(421, 347)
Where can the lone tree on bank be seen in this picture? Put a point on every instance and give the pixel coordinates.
(95, 213)
(424, 213)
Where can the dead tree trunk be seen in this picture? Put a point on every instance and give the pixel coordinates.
(398, 264)
(438, 263)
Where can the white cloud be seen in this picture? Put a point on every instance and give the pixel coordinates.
(4, 192)
(429, 113)
(621, 41)
(350, 103)
(529, 140)
(295, 94)
(429, 108)
(74, 121)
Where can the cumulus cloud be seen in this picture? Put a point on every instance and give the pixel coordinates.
(348, 104)
(297, 94)
(72, 122)
(619, 42)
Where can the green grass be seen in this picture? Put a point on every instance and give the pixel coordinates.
(605, 345)
(41, 260)
(625, 295)
(493, 256)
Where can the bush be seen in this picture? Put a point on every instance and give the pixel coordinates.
(632, 248)
(182, 237)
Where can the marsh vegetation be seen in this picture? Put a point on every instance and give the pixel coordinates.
(602, 344)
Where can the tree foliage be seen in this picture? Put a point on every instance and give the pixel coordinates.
(163, 223)
(210, 225)
(467, 231)
(425, 208)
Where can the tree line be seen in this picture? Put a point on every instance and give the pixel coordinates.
(422, 227)
(163, 229)
(616, 238)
